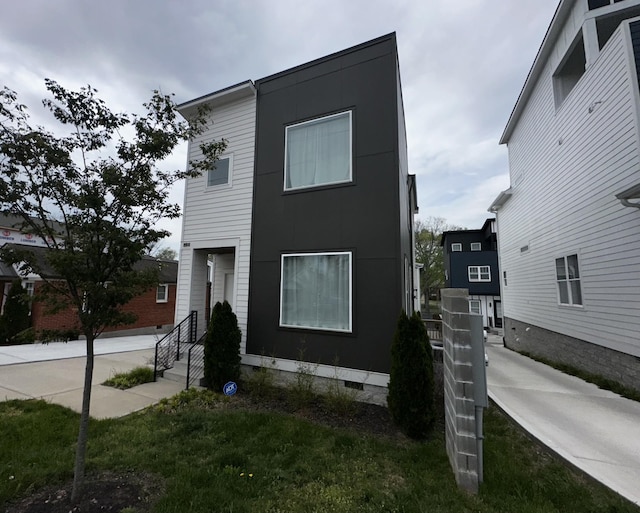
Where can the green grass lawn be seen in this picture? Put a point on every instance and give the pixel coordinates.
(213, 458)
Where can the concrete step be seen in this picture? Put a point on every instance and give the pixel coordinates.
(179, 372)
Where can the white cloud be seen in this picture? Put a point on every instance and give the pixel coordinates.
(462, 63)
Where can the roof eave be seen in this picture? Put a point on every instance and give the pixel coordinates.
(228, 94)
(499, 202)
(553, 31)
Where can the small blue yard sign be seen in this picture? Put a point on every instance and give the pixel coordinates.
(230, 388)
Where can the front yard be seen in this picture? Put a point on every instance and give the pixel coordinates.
(202, 452)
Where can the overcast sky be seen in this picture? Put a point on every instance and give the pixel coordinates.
(462, 63)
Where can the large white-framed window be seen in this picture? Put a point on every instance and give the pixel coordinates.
(162, 293)
(318, 152)
(456, 246)
(475, 306)
(316, 291)
(568, 279)
(476, 246)
(221, 173)
(479, 273)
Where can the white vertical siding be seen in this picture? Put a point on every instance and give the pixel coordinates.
(220, 217)
(566, 167)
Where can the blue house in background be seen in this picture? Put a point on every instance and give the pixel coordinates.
(471, 262)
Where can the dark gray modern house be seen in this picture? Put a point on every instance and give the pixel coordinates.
(471, 262)
(307, 226)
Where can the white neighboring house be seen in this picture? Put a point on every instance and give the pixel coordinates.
(568, 226)
(216, 235)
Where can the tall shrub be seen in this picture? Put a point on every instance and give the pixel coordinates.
(222, 347)
(411, 400)
(16, 316)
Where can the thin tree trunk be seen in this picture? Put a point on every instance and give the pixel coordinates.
(81, 449)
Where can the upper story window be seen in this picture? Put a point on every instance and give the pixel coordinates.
(318, 152)
(479, 273)
(456, 246)
(221, 173)
(570, 70)
(568, 278)
(596, 4)
(476, 246)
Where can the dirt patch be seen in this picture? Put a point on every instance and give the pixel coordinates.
(107, 492)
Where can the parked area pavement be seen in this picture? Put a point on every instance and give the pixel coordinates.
(593, 429)
(55, 372)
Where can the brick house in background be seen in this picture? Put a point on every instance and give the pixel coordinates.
(154, 309)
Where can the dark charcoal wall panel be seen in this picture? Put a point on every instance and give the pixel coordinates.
(635, 39)
(362, 217)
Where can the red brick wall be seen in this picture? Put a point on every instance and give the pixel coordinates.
(149, 313)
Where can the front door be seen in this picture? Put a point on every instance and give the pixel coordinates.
(498, 313)
(228, 288)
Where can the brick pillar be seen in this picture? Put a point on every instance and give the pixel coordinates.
(459, 403)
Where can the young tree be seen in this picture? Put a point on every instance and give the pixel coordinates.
(95, 197)
(429, 253)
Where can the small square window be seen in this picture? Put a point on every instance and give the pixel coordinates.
(476, 246)
(162, 293)
(475, 307)
(456, 246)
(219, 175)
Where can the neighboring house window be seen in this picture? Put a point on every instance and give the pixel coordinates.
(504, 273)
(479, 273)
(29, 287)
(568, 277)
(475, 307)
(316, 291)
(456, 246)
(476, 246)
(221, 172)
(162, 293)
(318, 152)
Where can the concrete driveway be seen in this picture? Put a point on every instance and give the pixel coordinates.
(595, 430)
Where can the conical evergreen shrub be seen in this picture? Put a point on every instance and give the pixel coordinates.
(411, 389)
(16, 316)
(222, 348)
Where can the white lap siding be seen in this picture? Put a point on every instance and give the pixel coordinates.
(216, 217)
(566, 167)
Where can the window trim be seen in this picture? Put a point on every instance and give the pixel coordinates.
(479, 306)
(315, 328)
(166, 293)
(315, 120)
(455, 245)
(229, 157)
(568, 281)
(477, 246)
(479, 272)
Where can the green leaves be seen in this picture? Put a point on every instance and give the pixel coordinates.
(94, 195)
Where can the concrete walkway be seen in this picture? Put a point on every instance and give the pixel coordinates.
(595, 430)
(55, 373)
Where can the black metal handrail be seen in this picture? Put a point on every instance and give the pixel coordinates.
(195, 360)
(168, 347)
